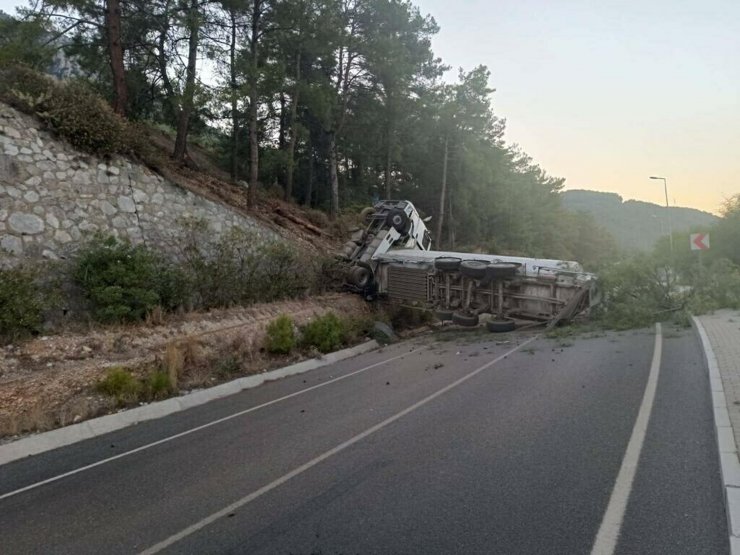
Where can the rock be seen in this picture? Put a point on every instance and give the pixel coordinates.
(31, 196)
(62, 236)
(52, 220)
(126, 204)
(12, 244)
(27, 224)
(107, 208)
(11, 150)
(113, 170)
(34, 181)
(3, 215)
(13, 192)
(11, 132)
(49, 255)
(157, 198)
(383, 333)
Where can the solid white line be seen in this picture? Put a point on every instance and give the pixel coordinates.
(611, 525)
(197, 428)
(313, 462)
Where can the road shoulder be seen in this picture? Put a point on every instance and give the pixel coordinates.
(40, 443)
(720, 338)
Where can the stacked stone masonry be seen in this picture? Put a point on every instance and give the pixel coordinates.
(53, 198)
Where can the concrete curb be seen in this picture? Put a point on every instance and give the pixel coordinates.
(33, 445)
(728, 452)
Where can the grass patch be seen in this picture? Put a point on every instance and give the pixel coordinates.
(280, 337)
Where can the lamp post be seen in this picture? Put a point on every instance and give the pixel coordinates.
(670, 225)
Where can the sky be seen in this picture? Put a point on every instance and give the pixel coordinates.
(606, 93)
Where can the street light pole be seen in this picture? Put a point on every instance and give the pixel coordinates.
(670, 222)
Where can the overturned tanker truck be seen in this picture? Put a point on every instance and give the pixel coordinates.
(391, 258)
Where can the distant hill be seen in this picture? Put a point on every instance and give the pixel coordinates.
(635, 225)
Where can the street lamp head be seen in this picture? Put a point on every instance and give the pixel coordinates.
(654, 177)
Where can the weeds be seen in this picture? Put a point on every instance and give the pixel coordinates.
(326, 333)
(122, 385)
(280, 338)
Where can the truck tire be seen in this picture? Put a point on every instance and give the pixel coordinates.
(447, 263)
(398, 220)
(500, 326)
(444, 315)
(501, 270)
(475, 269)
(365, 214)
(465, 320)
(359, 276)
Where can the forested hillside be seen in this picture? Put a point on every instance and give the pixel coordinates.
(328, 103)
(635, 225)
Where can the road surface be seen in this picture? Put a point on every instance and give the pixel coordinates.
(454, 443)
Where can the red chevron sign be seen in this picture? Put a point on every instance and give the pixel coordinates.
(699, 241)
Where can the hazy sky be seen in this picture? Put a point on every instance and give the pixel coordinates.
(606, 93)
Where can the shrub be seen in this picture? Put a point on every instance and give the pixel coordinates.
(122, 385)
(280, 337)
(123, 282)
(21, 303)
(157, 385)
(326, 333)
(238, 268)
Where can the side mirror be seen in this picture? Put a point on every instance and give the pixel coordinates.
(427, 219)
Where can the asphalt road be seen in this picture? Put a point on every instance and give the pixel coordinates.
(460, 446)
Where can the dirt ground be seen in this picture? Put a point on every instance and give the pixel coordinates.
(50, 381)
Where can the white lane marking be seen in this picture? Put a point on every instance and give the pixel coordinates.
(611, 524)
(313, 462)
(197, 428)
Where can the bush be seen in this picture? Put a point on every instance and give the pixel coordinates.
(157, 385)
(124, 282)
(280, 337)
(74, 111)
(238, 268)
(326, 333)
(122, 385)
(21, 303)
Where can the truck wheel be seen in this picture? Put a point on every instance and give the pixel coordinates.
(359, 276)
(444, 315)
(475, 269)
(464, 320)
(447, 263)
(398, 220)
(500, 326)
(501, 270)
(365, 213)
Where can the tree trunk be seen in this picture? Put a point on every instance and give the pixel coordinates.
(333, 177)
(170, 108)
(388, 192)
(442, 196)
(115, 52)
(309, 188)
(254, 156)
(186, 111)
(290, 164)
(282, 122)
(450, 223)
(234, 101)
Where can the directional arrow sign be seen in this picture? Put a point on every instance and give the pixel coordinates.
(699, 241)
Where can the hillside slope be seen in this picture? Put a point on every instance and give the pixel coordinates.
(636, 225)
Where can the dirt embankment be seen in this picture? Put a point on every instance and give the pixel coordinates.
(50, 381)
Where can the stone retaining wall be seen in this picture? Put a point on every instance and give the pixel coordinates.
(53, 197)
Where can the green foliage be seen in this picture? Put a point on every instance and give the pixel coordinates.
(24, 42)
(636, 292)
(122, 385)
(280, 337)
(22, 302)
(326, 333)
(227, 366)
(157, 385)
(124, 282)
(239, 268)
